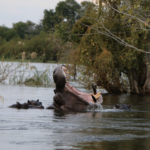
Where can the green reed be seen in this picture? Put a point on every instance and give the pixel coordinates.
(38, 78)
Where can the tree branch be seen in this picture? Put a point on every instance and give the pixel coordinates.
(142, 21)
(111, 35)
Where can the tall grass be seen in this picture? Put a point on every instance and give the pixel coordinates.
(7, 69)
(37, 78)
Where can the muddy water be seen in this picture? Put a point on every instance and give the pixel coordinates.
(105, 129)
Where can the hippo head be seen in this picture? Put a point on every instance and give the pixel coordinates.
(69, 98)
(34, 102)
(59, 76)
(30, 104)
(122, 106)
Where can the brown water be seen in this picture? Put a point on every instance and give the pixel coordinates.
(105, 129)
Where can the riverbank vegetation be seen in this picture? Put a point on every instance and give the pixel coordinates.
(35, 78)
(113, 43)
(40, 48)
(109, 38)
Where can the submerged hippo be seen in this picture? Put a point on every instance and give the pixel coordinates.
(29, 104)
(35, 103)
(20, 106)
(69, 98)
(122, 106)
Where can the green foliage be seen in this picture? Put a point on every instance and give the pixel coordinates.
(85, 8)
(7, 33)
(28, 29)
(47, 48)
(50, 19)
(2, 41)
(67, 9)
(20, 28)
(27, 37)
(38, 78)
(99, 47)
(79, 29)
(63, 30)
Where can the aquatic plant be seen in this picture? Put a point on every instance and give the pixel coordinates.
(38, 78)
(7, 69)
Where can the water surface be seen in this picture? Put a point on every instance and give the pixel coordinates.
(105, 129)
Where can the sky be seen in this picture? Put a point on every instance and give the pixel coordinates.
(13, 11)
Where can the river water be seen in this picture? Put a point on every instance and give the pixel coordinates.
(105, 129)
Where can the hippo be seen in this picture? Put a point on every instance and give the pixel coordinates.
(30, 104)
(122, 106)
(20, 106)
(35, 103)
(36, 107)
(68, 98)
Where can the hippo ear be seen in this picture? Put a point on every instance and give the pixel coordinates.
(129, 106)
(37, 100)
(18, 105)
(29, 102)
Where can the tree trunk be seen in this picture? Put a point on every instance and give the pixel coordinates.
(140, 79)
(114, 86)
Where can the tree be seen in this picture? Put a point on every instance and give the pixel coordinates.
(65, 27)
(27, 28)
(20, 28)
(68, 10)
(7, 33)
(114, 46)
(38, 28)
(86, 6)
(50, 19)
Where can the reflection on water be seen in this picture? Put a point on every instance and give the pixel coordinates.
(104, 129)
